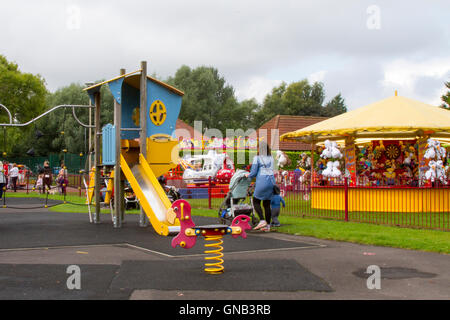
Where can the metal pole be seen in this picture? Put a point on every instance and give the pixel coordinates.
(97, 157)
(346, 197)
(118, 186)
(209, 193)
(313, 147)
(90, 138)
(143, 221)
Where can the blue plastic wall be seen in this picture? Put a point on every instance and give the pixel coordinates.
(108, 144)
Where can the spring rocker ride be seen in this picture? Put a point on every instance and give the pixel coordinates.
(213, 234)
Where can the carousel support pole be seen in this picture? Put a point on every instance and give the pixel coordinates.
(313, 173)
(143, 221)
(346, 197)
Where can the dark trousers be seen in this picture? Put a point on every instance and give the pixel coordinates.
(267, 212)
(47, 184)
(2, 185)
(14, 183)
(275, 214)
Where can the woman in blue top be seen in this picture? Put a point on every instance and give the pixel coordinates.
(262, 170)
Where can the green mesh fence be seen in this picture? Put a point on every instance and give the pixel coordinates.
(73, 162)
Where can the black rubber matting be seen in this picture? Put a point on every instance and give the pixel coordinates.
(49, 282)
(27, 203)
(41, 228)
(239, 275)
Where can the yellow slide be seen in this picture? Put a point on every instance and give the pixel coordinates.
(151, 195)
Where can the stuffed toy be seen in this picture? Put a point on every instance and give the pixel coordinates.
(283, 159)
(378, 151)
(326, 153)
(332, 170)
(434, 150)
(390, 172)
(362, 163)
(304, 162)
(440, 172)
(407, 174)
(430, 174)
(330, 152)
(328, 170)
(305, 178)
(408, 158)
(335, 152)
(368, 162)
(335, 172)
(430, 153)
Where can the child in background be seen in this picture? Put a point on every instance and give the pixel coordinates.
(275, 204)
(39, 183)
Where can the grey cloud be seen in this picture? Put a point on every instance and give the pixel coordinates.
(243, 39)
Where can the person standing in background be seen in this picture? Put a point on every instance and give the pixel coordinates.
(275, 205)
(47, 176)
(262, 170)
(6, 172)
(62, 178)
(14, 175)
(2, 179)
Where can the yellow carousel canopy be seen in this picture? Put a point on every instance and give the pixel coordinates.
(392, 118)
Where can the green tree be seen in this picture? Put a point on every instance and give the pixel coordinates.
(248, 111)
(75, 137)
(207, 98)
(334, 107)
(298, 98)
(446, 98)
(24, 95)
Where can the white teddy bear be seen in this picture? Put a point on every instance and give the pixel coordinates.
(335, 170)
(431, 172)
(326, 153)
(328, 170)
(331, 151)
(335, 152)
(440, 172)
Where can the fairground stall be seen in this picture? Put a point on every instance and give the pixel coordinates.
(386, 162)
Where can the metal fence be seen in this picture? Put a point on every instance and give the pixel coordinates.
(401, 204)
(73, 162)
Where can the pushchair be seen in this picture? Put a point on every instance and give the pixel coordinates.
(239, 200)
(131, 201)
(171, 191)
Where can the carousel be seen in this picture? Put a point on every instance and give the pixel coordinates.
(391, 155)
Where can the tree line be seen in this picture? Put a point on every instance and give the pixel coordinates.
(208, 97)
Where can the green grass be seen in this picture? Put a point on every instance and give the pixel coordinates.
(362, 233)
(302, 208)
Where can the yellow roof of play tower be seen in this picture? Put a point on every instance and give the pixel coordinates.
(394, 117)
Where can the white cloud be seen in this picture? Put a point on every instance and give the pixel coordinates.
(254, 44)
(317, 76)
(256, 87)
(407, 76)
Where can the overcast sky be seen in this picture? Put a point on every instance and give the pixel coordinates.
(363, 49)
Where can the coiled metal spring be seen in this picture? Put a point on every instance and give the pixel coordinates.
(214, 267)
